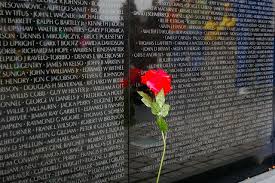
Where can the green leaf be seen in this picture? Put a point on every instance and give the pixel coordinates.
(162, 124)
(146, 102)
(164, 110)
(146, 99)
(155, 108)
(160, 98)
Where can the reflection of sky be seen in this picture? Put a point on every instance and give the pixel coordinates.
(142, 5)
(104, 8)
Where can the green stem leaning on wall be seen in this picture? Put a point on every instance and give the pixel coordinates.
(164, 136)
(160, 110)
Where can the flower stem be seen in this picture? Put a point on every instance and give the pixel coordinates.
(163, 154)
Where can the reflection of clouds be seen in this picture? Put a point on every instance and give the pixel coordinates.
(104, 8)
(142, 5)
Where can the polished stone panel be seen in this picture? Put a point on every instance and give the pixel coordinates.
(69, 108)
(220, 57)
(62, 104)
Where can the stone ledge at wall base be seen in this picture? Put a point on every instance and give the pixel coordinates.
(268, 177)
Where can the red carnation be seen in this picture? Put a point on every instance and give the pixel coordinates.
(157, 80)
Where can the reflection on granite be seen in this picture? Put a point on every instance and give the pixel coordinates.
(221, 105)
(66, 115)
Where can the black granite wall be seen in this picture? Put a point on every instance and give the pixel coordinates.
(70, 114)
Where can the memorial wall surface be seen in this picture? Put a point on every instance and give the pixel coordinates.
(220, 57)
(70, 72)
(62, 107)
